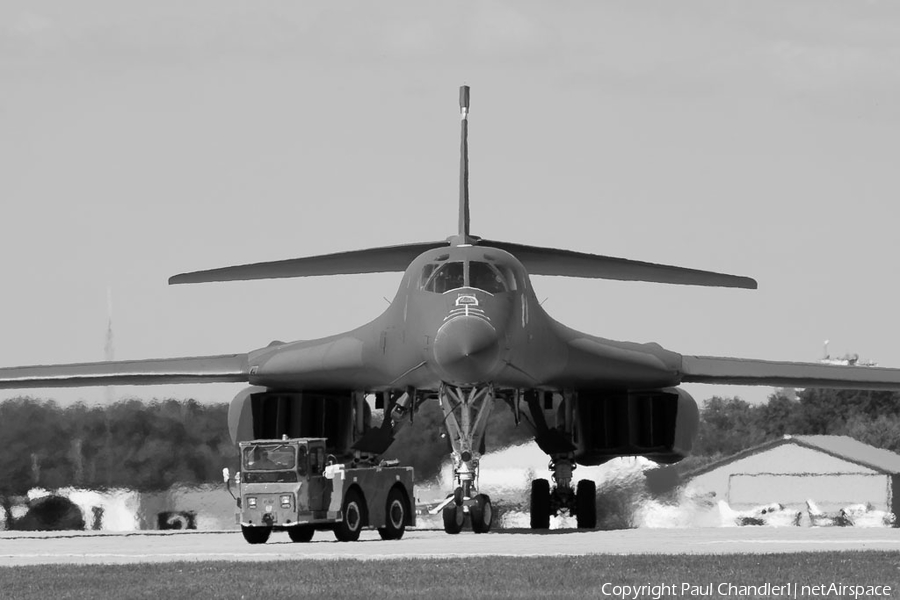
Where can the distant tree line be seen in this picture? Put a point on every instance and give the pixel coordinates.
(132, 444)
(729, 425)
(151, 446)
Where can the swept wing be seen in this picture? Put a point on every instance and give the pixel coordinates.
(742, 371)
(370, 260)
(567, 263)
(194, 369)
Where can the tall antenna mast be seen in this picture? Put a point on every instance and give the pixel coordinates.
(109, 352)
(464, 165)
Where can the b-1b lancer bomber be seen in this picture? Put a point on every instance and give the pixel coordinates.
(465, 329)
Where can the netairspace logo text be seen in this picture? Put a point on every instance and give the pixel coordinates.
(787, 590)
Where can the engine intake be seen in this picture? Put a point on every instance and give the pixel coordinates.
(258, 413)
(658, 424)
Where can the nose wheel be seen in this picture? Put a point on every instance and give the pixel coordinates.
(482, 513)
(465, 414)
(479, 510)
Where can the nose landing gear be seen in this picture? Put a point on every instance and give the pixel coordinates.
(466, 411)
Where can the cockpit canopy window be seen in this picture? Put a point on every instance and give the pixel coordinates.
(491, 278)
(443, 278)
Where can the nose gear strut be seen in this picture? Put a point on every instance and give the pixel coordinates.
(466, 412)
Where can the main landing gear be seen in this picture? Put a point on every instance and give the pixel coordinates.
(553, 418)
(581, 501)
(466, 411)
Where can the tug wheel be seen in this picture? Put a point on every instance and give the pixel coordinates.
(352, 517)
(395, 516)
(256, 535)
(301, 533)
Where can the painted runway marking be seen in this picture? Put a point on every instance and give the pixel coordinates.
(773, 541)
(267, 555)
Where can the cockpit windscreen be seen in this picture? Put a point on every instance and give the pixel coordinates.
(443, 277)
(486, 277)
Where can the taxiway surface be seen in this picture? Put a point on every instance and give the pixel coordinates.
(108, 548)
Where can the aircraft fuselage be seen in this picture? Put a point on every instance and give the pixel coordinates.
(464, 315)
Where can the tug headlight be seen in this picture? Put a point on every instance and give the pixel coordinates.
(286, 501)
(251, 502)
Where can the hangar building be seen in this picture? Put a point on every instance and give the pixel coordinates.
(832, 470)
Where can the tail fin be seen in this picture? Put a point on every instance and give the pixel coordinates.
(464, 164)
(727, 514)
(813, 509)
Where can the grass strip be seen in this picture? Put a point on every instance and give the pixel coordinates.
(458, 578)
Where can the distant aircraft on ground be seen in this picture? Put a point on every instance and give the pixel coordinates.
(466, 329)
(853, 515)
(770, 515)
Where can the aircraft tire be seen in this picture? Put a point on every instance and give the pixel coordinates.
(586, 504)
(453, 519)
(353, 515)
(482, 513)
(540, 504)
(301, 533)
(256, 535)
(396, 510)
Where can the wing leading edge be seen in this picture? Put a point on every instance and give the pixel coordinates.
(741, 371)
(567, 263)
(371, 260)
(195, 369)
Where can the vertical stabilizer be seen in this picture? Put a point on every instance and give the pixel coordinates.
(464, 164)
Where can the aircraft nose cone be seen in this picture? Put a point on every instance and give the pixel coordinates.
(467, 349)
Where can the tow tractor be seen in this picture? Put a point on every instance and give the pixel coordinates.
(291, 485)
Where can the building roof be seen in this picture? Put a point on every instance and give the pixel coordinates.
(846, 447)
(839, 446)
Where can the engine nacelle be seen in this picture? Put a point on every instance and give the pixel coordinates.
(658, 424)
(260, 413)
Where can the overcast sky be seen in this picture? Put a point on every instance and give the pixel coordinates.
(139, 140)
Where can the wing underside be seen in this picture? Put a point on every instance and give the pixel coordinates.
(741, 371)
(195, 369)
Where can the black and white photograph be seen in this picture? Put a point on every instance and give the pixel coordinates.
(499, 299)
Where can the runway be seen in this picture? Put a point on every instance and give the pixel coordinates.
(20, 548)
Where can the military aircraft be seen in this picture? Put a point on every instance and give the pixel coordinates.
(466, 329)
